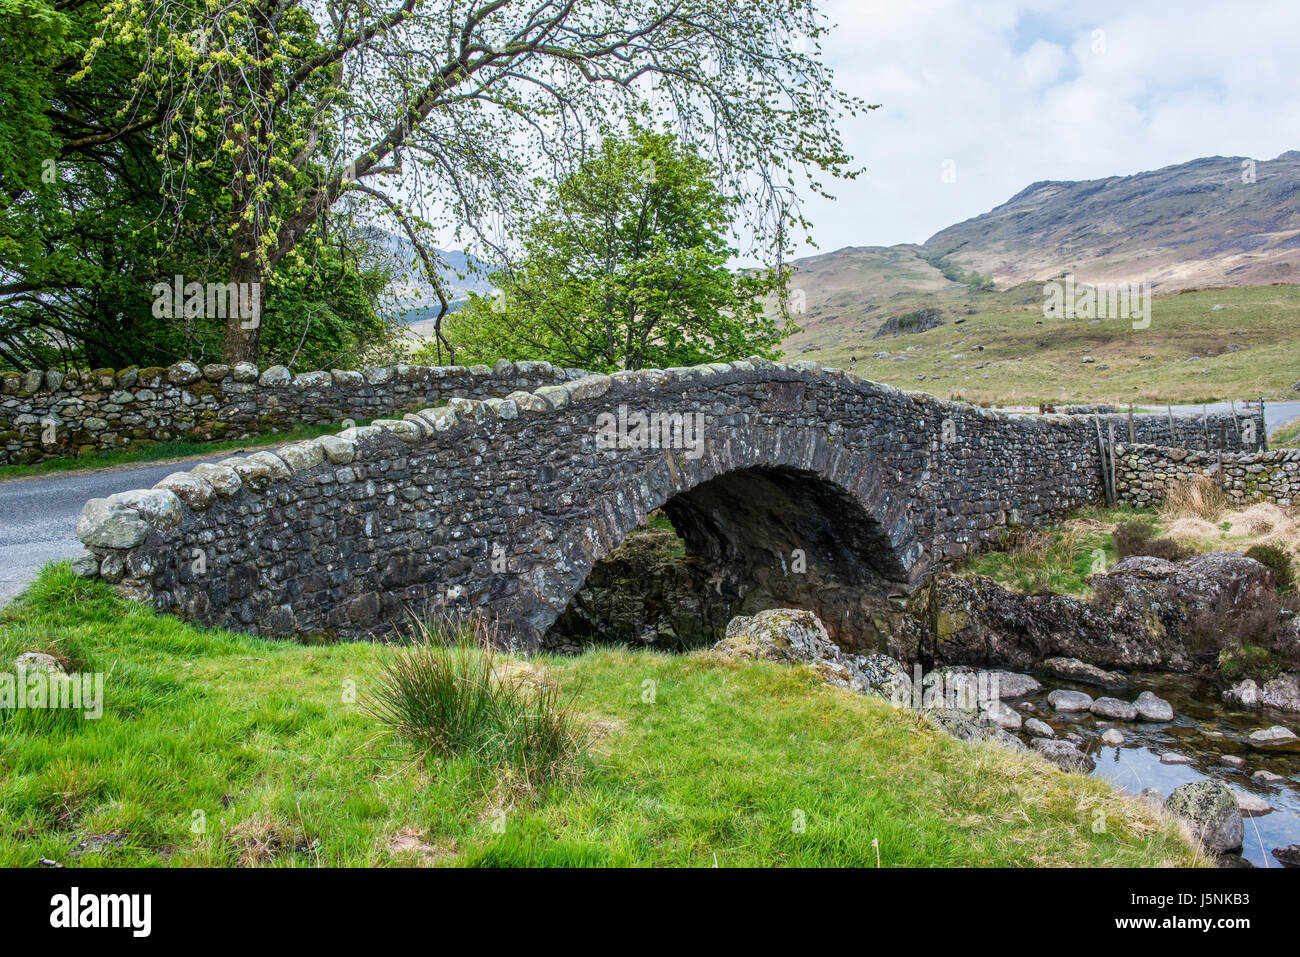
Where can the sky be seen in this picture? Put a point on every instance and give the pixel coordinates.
(980, 98)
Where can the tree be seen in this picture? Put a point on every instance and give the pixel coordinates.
(446, 110)
(626, 266)
(86, 230)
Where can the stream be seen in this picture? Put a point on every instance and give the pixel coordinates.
(1204, 729)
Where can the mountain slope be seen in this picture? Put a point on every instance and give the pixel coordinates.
(1192, 225)
(1189, 226)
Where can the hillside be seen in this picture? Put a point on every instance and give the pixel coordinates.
(1202, 346)
(1192, 226)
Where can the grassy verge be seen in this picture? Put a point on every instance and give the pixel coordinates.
(221, 749)
(166, 451)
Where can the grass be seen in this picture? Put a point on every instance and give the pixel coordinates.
(1287, 437)
(1007, 353)
(223, 749)
(453, 694)
(1058, 559)
(1197, 519)
(166, 451)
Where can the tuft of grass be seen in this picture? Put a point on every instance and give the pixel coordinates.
(1202, 497)
(1139, 538)
(453, 694)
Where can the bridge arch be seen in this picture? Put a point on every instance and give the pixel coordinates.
(503, 506)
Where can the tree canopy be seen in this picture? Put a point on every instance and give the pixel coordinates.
(627, 265)
(248, 126)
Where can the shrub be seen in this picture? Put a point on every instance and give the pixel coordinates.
(452, 693)
(1278, 562)
(1138, 538)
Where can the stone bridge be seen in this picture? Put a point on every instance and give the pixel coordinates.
(801, 485)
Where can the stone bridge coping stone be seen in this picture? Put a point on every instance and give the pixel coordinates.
(277, 376)
(122, 521)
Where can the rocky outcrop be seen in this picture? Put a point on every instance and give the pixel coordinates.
(1280, 694)
(1075, 670)
(795, 636)
(1146, 613)
(647, 592)
(1210, 809)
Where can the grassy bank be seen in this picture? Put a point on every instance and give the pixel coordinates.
(221, 749)
(1061, 558)
(167, 451)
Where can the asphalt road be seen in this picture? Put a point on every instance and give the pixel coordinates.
(38, 516)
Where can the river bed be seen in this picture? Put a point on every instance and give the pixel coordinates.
(1204, 729)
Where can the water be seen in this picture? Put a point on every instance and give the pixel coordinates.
(1204, 729)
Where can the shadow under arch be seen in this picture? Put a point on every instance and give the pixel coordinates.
(777, 536)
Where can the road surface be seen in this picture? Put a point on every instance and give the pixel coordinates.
(38, 516)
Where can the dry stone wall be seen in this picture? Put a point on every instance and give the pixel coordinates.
(1144, 474)
(45, 415)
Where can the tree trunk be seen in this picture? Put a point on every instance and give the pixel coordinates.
(244, 326)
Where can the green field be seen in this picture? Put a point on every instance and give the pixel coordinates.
(1008, 353)
(221, 749)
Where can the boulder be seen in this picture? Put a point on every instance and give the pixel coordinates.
(1210, 808)
(1274, 737)
(195, 492)
(1003, 716)
(982, 685)
(1267, 777)
(1039, 729)
(183, 373)
(1170, 757)
(1251, 805)
(1064, 755)
(1289, 856)
(1114, 709)
(1113, 737)
(795, 636)
(1082, 672)
(965, 726)
(106, 525)
(1232, 761)
(275, 377)
(1069, 701)
(1152, 708)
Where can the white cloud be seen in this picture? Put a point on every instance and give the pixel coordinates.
(1016, 92)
